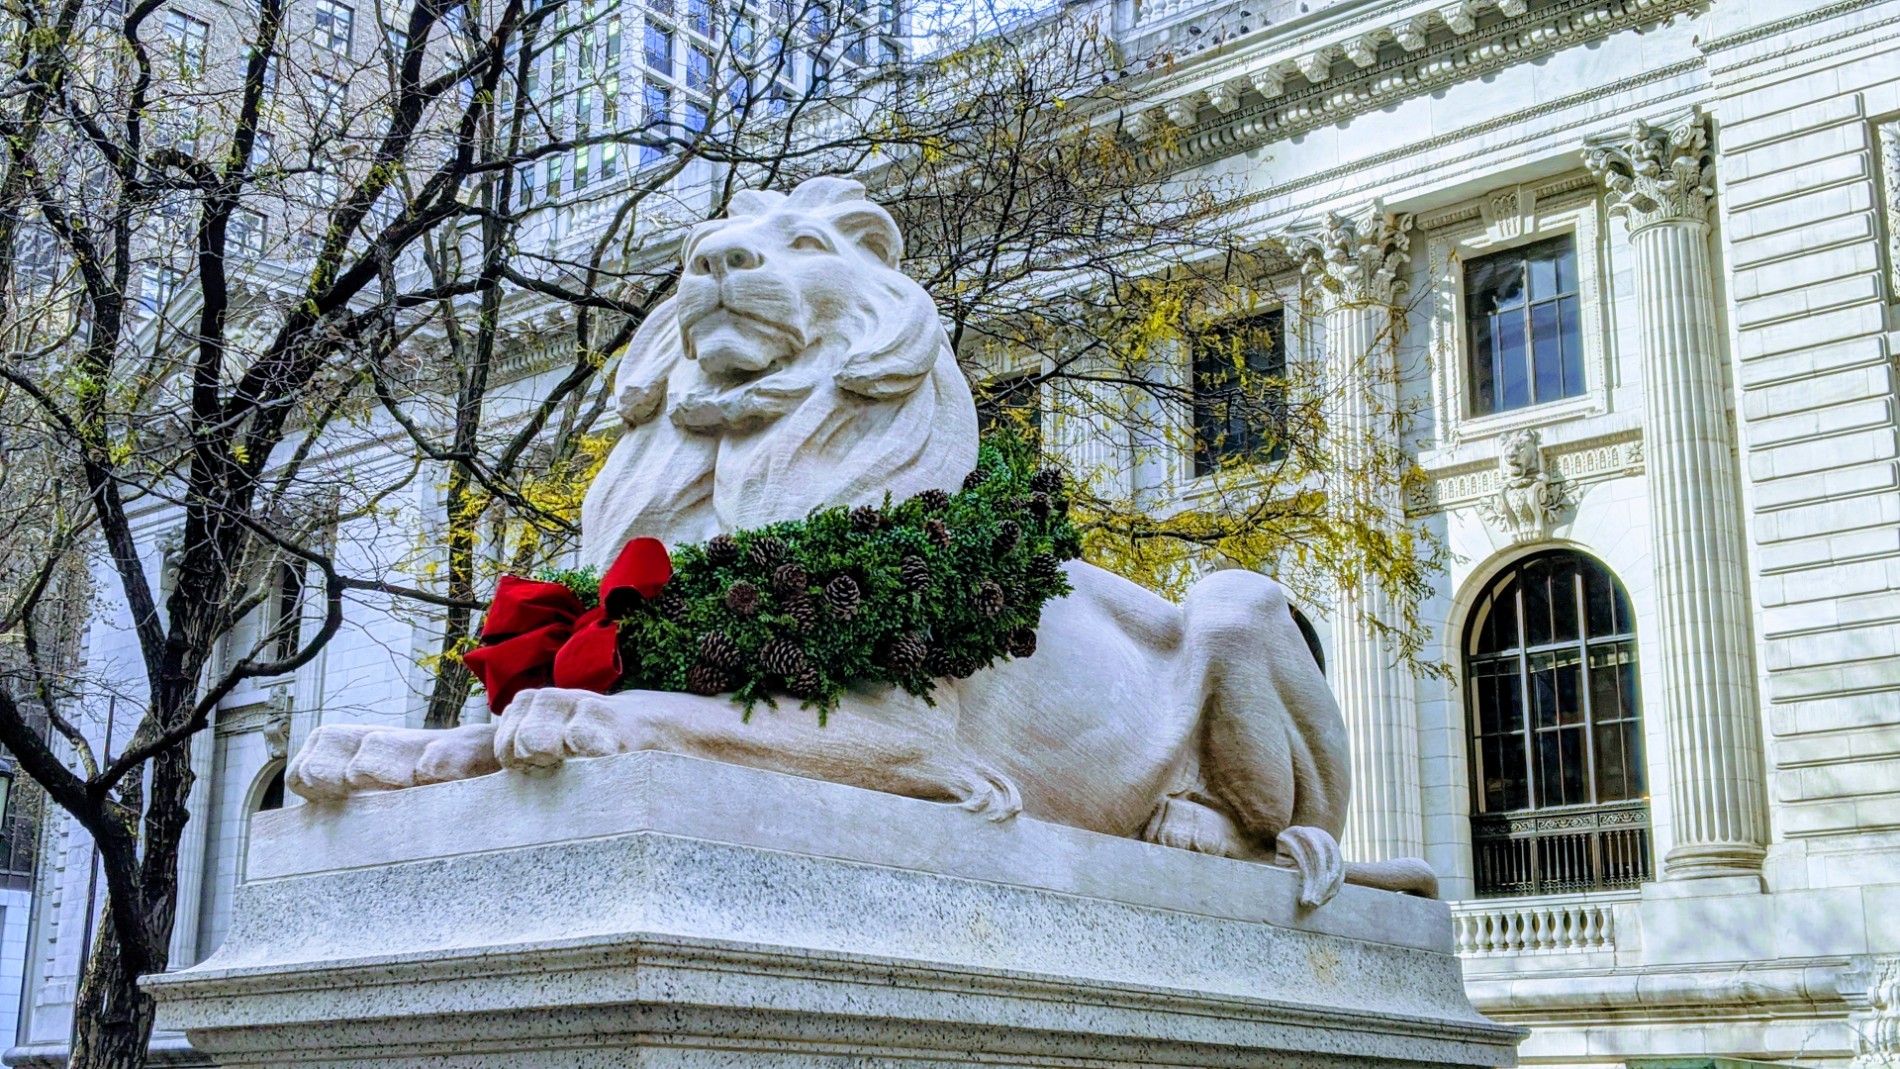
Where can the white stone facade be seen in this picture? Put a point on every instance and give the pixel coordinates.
(1732, 458)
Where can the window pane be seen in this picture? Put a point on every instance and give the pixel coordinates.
(1599, 617)
(1483, 397)
(1566, 264)
(1570, 333)
(1513, 372)
(1547, 352)
(1536, 583)
(1543, 272)
(1563, 602)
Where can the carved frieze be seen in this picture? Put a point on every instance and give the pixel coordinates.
(1571, 466)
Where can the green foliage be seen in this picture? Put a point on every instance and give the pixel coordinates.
(965, 575)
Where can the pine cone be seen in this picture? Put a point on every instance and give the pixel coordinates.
(1039, 505)
(717, 650)
(916, 572)
(842, 597)
(1047, 481)
(705, 679)
(866, 519)
(934, 500)
(905, 653)
(943, 664)
(1009, 534)
(765, 551)
(790, 579)
(802, 611)
(974, 479)
(806, 684)
(937, 532)
(989, 600)
(721, 550)
(743, 598)
(783, 658)
(1022, 642)
(671, 606)
(1045, 567)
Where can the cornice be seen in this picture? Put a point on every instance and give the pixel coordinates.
(1278, 89)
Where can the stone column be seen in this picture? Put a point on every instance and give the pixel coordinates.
(1658, 178)
(1358, 263)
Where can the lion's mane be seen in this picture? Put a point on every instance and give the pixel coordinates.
(874, 404)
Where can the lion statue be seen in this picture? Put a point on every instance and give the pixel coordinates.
(798, 367)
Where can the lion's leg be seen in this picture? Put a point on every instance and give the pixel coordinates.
(339, 760)
(890, 743)
(1274, 746)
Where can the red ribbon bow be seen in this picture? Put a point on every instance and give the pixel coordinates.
(537, 634)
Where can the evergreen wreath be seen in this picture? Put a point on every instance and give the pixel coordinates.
(939, 585)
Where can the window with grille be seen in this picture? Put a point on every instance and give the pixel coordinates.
(1559, 796)
(1524, 327)
(188, 37)
(336, 23)
(1239, 379)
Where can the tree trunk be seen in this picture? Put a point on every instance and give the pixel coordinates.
(112, 1017)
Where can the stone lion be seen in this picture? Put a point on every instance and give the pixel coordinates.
(797, 367)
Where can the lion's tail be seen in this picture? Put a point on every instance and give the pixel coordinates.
(1406, 875)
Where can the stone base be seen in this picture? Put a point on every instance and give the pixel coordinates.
(660, 910)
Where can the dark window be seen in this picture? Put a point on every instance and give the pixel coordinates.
(1010, 403)
(272, 796)
(1239, 391)
(286, 635)
(1524, 326)
(1310, 636)
(1559, 799)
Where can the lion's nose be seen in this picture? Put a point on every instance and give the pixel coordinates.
(724, 259)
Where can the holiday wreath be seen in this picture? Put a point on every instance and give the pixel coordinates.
(938, 585)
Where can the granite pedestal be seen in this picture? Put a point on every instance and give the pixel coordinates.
(658, 910)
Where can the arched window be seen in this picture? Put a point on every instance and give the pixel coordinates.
(1559, 797)
(272, 796)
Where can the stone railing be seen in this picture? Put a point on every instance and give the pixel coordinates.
(1530, 926)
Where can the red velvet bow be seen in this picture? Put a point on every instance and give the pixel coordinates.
(537, 635)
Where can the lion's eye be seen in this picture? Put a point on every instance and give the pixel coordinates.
(809, 243)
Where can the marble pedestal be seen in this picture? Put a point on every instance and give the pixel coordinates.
(658, 910)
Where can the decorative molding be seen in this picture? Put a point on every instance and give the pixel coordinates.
(1570, 465)
(270, 716)
(1656, 173)
(1406, 69)
(1359, 258)
(1528, 499)
(1887, 139)
(1879, 1026)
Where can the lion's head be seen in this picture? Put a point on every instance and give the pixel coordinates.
(796, 368)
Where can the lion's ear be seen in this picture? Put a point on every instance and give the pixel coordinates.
(872, 228)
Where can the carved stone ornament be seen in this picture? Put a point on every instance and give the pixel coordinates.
(1359, 258)
(1528, 499)
(1879, 1025)
(797, 368)
(276, 730)
(1656, 173)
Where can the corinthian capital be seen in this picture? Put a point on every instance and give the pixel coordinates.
(1359, 258)
(1656, 173)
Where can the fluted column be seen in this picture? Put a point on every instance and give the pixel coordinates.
(1658, 178)
(1358, 263)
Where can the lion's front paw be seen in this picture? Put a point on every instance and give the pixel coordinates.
(542, 728)
(339, 760)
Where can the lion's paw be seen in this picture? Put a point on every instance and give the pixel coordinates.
(990, 793)
(339, 760)
(546, 727)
